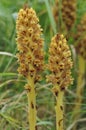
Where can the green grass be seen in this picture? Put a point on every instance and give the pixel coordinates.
(13, 98)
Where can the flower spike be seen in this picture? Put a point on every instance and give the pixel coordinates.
(30, 56)
(59, 65)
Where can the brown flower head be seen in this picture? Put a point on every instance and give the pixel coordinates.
(60, 62)
(69, 12)
(29, 43)
(80, 37)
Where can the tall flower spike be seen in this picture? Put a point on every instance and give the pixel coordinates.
(60, 65)
(80, 37)
(30, 56)
(66, 9)
(29, 43)
(80, 40)
(60, 62)
(69, 12)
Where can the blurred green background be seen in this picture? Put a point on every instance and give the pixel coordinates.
(13, 98)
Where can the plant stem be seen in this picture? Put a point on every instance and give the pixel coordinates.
(79, 89)
(59, 110)
(32, 105)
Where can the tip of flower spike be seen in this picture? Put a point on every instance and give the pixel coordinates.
(68, 9)
(69, 13)
(80, 37)
(25, 6)
(60, 62)
(29, 43)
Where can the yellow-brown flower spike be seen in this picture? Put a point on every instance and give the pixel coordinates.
(69, 12)
(30, 56)
(80, 46)
(80, 38)
(60, 65)
(29, 43)
(60, 62)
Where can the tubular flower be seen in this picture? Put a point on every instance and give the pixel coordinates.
(29, 43)
(60, 62)
(69, 12)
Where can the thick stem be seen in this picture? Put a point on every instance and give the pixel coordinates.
(59, 110)
(32, 105)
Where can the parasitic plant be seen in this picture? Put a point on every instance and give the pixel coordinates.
(80, 39)
(30, 56)
(65, 10)
(69, 13)
(59, 65)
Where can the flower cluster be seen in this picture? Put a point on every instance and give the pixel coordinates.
(80, 37)
(60, 62)
(69, 12)
(29, 44)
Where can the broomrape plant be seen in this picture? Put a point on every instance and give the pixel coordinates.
(31, 60)
(60, 65)
(64, 12)
(80, 46)
(30, 56)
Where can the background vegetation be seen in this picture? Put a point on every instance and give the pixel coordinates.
(13, 99)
